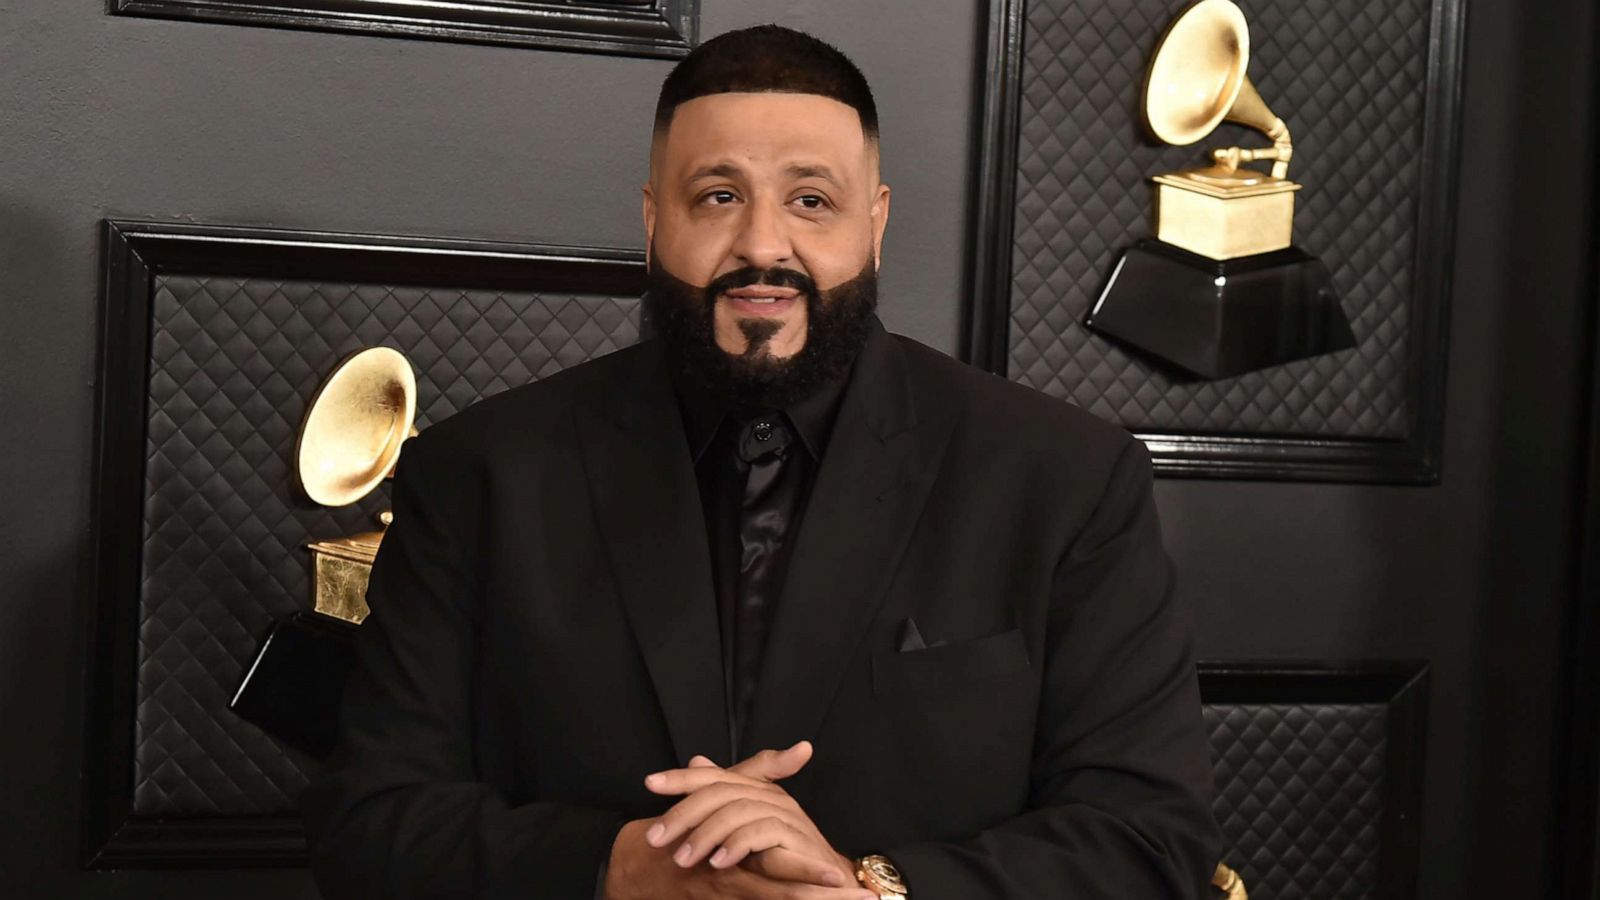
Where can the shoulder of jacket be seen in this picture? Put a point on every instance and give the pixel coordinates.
(529, 409)
(1013, 413)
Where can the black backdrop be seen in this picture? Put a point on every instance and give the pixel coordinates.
(183, 121)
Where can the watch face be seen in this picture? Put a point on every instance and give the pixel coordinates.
(883, 871)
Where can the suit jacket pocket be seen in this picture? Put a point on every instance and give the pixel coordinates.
(951, 667)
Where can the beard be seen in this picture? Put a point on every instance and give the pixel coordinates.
(838, 321)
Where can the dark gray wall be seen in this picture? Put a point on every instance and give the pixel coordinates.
(141, 118)
(103, 116)
(1472, 575)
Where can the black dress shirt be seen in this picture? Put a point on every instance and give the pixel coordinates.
(745, 604)
(714, 430)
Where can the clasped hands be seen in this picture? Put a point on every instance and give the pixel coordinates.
(735, 834)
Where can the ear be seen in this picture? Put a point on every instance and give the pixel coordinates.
(649, 222)
(880, 220)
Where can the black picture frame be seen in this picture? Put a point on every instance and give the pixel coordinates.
(1415, 459)
(650, 28)
(133, 254)
(1401, 686)
(1576, 826)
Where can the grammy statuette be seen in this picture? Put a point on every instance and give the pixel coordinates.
(349, 442)
(1221, 289)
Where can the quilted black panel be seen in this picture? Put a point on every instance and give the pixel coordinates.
(1349, 77)
(1300, 796)
(233, 363)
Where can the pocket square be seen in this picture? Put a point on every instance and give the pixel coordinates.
(911, 638)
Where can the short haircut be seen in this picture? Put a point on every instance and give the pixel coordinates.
(767, 58)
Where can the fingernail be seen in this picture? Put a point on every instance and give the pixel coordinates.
(683, 854)
(719, 856)
(653, 780)
(655, 834)
(833, 879)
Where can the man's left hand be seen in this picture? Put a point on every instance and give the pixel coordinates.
(738, 815)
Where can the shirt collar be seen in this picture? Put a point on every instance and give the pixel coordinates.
(812, 416)
(702, 415)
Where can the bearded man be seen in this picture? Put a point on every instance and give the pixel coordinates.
(776, 604)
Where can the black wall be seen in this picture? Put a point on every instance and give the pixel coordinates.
(136, 118)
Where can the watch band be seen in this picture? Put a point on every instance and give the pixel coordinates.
(879, 875)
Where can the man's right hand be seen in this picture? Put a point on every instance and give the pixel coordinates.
(639, 871)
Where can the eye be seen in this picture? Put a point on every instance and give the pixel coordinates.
(718, 198)
(812, 201)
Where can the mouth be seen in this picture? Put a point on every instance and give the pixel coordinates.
(761, 300)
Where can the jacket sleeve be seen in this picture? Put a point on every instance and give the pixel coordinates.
(399, 812)
(1120, 787)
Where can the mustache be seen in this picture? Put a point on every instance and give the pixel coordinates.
(681, 315)
(774, 277)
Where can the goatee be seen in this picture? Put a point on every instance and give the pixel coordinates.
(838, 322)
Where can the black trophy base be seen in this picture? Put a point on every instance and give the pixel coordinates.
(1219, 318)
(292, 690)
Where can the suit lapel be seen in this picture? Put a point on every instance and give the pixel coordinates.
(869, 492)
(648, 505)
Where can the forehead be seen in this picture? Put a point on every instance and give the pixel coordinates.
(759, 129)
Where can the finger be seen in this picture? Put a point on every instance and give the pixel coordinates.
(799, 891)
(694, 809)
(812, 892)
(750, 886)
(684, 781)
(773, 826)
(701, 762)
(757, 837)
(784, 864)
(775, 765)
(760, 847)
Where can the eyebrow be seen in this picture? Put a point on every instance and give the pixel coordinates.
(731, 170)
(720, 170)
(815, 171)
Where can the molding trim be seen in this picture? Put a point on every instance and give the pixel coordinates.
(1413, 460)
(133, 253)
(654, 28)
(1401, 686)
(1575, 851)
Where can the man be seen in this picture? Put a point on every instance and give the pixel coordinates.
(851, 606)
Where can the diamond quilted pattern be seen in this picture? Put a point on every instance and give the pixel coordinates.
(1299, 796)
(1349, 77)
(233, 363)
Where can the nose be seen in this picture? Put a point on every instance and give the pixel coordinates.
(762, 241)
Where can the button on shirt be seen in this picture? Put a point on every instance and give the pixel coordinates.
(755, 469)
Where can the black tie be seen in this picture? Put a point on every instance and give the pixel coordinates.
(765, 516)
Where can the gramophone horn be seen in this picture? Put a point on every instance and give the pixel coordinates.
(351, 436)
(1197, 78)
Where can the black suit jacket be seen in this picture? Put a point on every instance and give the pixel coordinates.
(543, 634)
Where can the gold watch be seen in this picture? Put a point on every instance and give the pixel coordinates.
(878, 874)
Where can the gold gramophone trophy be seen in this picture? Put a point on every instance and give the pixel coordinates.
(1221, 289)
(348, 444)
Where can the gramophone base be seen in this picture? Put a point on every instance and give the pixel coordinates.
(1215, 319)
(293, 688)
(1255, 215)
